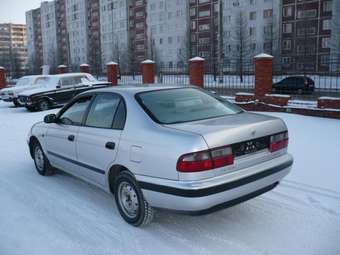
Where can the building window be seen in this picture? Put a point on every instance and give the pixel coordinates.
(203, 1)
(252, 15)
(192, 11)
(204, 13)
(193, 25)
(287, 44)
(252, 31)
(325, 42)
(326, 24)
(268, 13)
(169, 40)
(327, 6)
(204, 27)
(324, 60)
(287, 28)
(287, 11)
(204, 40)
(306, 14)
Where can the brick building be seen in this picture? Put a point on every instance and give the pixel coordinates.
(310, 32)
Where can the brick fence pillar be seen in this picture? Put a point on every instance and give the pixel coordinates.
(148, 71)
(263, 75)
(3, 81)
(84, 68)
(196, 71)
(62, 69)
(112, 73)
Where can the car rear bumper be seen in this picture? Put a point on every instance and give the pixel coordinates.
(204, 196)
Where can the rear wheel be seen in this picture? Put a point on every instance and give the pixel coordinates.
(40, 160)
(130, 201)
(43, 105)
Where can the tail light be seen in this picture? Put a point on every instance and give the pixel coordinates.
(278, 141)
(206, 160)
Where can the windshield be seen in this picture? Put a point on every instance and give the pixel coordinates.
(183, 105)
(23, 82)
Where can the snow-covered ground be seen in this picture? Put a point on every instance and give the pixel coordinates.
(63, 215)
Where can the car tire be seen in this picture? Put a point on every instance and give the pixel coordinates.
(16, 103)
(130, 201)
(43, 105)
(41, 162)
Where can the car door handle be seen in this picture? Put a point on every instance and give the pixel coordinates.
(70, 138)
(110, 145)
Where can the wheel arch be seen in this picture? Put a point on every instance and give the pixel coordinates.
(33, 140)
(113, 173)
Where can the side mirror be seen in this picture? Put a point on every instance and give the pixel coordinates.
(50, 118)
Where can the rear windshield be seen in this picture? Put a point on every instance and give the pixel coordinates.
(184, 105)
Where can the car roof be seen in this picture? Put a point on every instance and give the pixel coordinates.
(134, 88)
(69, 75)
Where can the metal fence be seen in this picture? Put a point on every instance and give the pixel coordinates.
(238, 76)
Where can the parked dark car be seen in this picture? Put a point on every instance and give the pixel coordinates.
(295, 84)
(58, 90)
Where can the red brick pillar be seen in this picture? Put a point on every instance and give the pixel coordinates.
(84, 68)
(112, 73)
(62, 69)
(3, 81)
(196, 71)
(263, 75)
(148, 71)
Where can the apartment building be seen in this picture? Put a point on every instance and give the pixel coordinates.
(13, 48)
(250, 27)
(204, 22)
(62, 35)
(137, 29)
(34, 40)
(114, 32)
(76, 24)
(310, 35)
(167, 32)
(93, 34)
(49, 34)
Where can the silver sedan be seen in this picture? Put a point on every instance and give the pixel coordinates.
(176, 148)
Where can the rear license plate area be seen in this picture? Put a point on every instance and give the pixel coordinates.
(250, 146)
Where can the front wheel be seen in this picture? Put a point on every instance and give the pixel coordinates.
(130, 201)
(43, 105)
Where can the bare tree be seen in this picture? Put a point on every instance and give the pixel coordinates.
(241, 39)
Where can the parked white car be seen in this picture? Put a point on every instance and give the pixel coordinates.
(181, 149)
(24, 83)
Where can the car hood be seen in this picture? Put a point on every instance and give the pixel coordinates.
(36, 91)
(16, 89)
(233, 128)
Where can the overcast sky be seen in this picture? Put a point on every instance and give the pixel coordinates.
(14, 10)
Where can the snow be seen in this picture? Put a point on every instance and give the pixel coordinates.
(244, 94)
(148, 61)
(263, 55)
(278, 95)
(329, 98)
(195, 59)
(63, 215)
